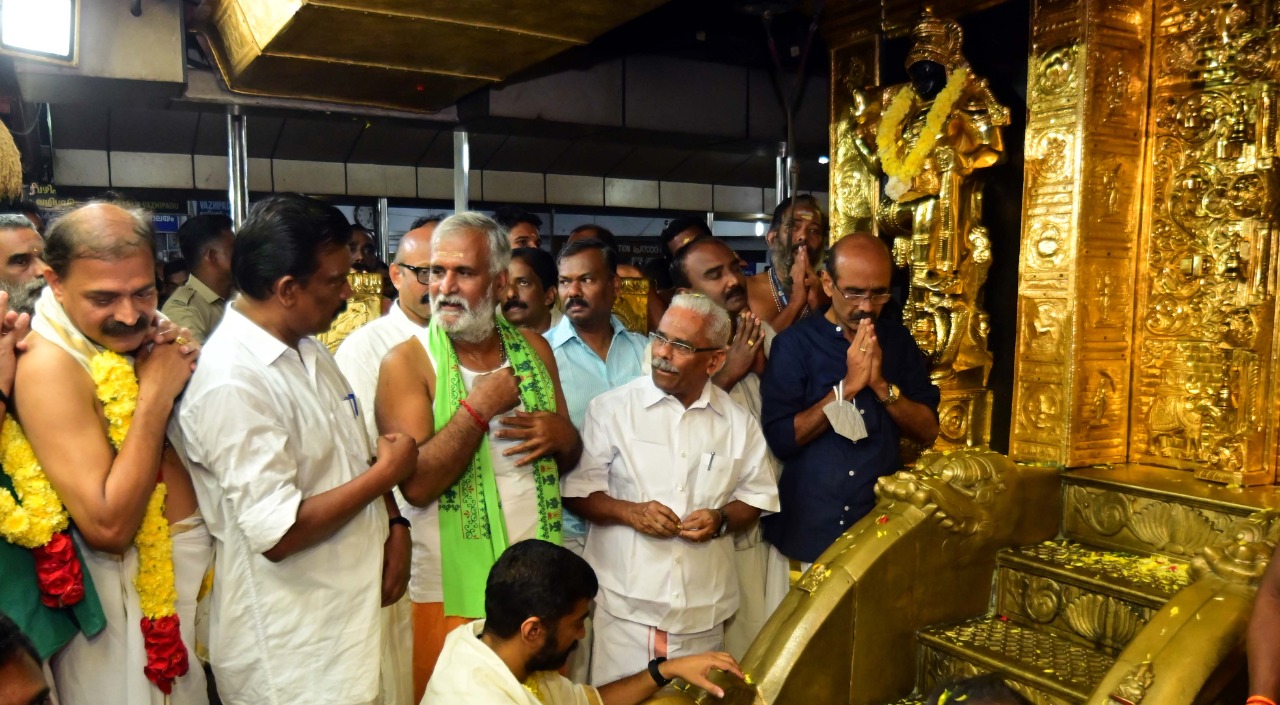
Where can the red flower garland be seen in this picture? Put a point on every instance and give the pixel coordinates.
(58, 572)
(166, 654)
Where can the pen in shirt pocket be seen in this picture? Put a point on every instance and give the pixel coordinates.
(355, 407)
(711, 460)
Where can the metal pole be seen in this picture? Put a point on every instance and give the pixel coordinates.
(461, 171)
(781, 180)
(384, 230)
(237, 167)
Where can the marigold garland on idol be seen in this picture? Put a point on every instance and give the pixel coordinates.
(902, 170)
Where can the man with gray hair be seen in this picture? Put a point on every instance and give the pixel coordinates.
(483, 399)
(21, 263)
(671, 466)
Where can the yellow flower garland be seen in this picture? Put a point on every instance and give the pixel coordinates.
(36, 514)
(117, 388)
(904, 170)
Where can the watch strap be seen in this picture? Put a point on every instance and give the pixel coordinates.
(656, 673)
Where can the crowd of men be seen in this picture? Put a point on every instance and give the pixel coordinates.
(387, 522)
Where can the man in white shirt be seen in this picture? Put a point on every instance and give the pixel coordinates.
(483, 399)
(670, 466)
(281, 466)
(537, 598)
(359, 357)
(711, 268)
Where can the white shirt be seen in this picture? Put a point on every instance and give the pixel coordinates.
(263, 427)
(471, 673)
(360, 359)
(641, 444)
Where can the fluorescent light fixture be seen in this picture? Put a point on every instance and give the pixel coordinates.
(39, 29)
(759, 228)
(824, 159)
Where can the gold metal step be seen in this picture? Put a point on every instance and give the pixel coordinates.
(1094, 597)
(1054, 669)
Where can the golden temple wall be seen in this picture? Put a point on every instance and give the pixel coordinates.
(1081, 205)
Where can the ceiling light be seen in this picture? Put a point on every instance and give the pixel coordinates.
(824, 159)
(39, 29)
(759, 228)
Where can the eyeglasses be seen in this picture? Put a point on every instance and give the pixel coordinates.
(682, 349)
(860, 295)
(422, 274)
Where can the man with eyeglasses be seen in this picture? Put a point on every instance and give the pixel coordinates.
(789, 290)
(671, 466)
(839, 390)
(360, 357)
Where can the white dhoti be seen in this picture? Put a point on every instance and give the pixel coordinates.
(109, 667)
(764, 577)
(623, 648)
(397, 653)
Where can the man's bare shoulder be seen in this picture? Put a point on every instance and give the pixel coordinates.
(47, 364)
(538, 343)
(407, 361)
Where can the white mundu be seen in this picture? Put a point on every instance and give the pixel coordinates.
(266, 426)
(471, 673)
(639, 445)
(360, 359)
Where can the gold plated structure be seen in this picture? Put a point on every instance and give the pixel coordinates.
(420, 55)
(364, 305)
(933, 211)
(632, 305)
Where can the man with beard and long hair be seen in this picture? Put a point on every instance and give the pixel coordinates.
(839, 390)
(530, 300)
(536, 599)
(102, 297)
(360, 357)
(483, 400)
(671, 467)
(711, 268)
(298, 501)
(790, 290)
(21, 262)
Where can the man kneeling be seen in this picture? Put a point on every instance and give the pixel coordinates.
(536, 599)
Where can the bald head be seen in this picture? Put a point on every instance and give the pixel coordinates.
(861, 246)
(416, 245)
(102, 231)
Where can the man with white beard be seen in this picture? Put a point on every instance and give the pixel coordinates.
(21, 263)
(483, 400)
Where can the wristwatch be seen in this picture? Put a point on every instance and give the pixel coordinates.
(724, 523)
(401, 521)
(894, 395)
(656, 674)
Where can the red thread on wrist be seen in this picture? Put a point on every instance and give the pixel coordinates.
(485, 427)
(1259, 700)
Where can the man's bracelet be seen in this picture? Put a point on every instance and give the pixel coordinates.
(475, 415)
(1259, 700)
(656, 673)
(401, 521)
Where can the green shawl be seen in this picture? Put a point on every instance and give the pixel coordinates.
(473, 532)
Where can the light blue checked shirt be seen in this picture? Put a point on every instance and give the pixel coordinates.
(584, 376)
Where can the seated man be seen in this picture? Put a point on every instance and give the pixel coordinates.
(670, 466)
(537, 597)
(21, 680)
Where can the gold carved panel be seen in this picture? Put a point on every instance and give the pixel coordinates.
(632, 304)
(1081, 202)
(1204, 383)
(364, 305)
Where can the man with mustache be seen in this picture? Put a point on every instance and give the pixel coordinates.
(595, 353)
(360, 357)
(711, 268)
(536, 601)
(102, 296)
(21, 266)
(483, 400)
(297, 499)
(839, 390)
(789, 290)
(530, 301)
(671, 466)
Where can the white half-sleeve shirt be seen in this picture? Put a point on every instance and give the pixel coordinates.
(265, 426)
(641, 444)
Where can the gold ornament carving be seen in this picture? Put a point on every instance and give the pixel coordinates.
(961, 490)
(632, 304)
(1134, 687)
(1243, 551)
(1135, 523)
(364, 305)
